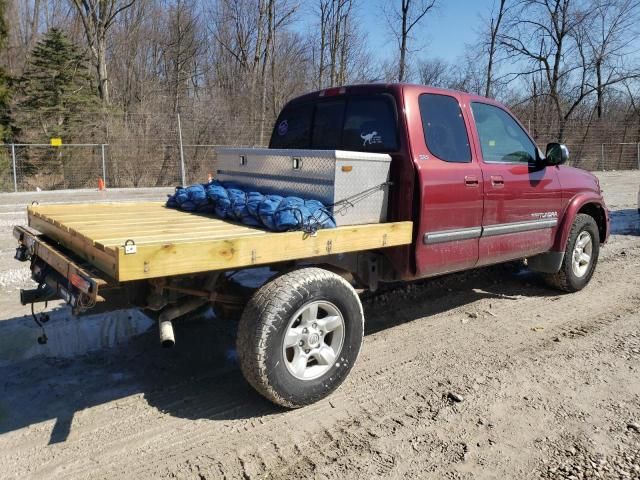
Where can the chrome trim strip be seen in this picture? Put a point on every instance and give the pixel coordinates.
(431, 238)
(517, 227)
(452, 235)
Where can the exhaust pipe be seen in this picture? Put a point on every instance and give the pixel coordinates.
(167, 337)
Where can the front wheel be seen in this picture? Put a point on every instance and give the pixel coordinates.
(300, 335)
(581, 256)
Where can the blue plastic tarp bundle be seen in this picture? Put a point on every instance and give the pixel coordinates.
(273, 212)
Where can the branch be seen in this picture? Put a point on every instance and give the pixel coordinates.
(420, 16)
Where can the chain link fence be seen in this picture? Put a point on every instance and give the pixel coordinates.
(124, 150)
(159, 150)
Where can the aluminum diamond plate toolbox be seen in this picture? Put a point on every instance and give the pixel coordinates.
(354, 182)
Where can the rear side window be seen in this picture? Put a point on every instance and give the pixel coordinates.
(370, 125)
(293, 127)
(444, 130)
(356, 123)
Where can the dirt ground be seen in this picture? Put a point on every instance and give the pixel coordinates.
(546, 385)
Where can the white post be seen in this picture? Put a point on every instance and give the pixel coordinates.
(602, 156)
(104, 167)
(182, 174)
(13, 159)
(638, 156)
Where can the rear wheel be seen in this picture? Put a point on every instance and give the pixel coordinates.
(300, 335)
(581, 256)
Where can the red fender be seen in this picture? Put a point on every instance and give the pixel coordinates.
(574, 206)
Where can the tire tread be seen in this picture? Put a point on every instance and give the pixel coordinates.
(561, 279)
(258, 320)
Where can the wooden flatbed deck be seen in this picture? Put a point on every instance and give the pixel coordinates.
(170, 242)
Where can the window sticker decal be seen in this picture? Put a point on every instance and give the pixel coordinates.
(370, 138)
(283, 128)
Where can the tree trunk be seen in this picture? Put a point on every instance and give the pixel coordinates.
(495, 30)
(101, 65)
(335, 44)
(257, 55)
(344, 47)
(324, 14)
(403, 40)
(535, 110)
(599, 89)
(267, 57)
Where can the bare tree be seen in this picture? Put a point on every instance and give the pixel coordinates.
(553, 37)
(181, 49)
(610, 36)
(494, 29)
(98, 17)
(339, 39)
(435, 72)
(136, 55)
(543, 33)
(402, 21)
(245, 33)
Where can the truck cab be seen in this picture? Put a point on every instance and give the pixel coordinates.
(464, 170)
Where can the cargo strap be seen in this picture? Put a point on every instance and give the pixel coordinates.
(341, 206)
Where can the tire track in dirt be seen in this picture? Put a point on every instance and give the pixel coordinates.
(395, 392)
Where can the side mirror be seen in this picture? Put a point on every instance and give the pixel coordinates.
(557, 154)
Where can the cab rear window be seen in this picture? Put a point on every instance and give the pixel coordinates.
(327, 124)
(356, 123)
(293, 128)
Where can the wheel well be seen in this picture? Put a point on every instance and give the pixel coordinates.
(594, 210)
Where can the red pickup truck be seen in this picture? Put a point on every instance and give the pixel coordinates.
(469, 187)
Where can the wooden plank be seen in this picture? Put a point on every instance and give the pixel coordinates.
(117, 222)
(167, 233)
(90, 208)
(112, 211)
(187, 237)
(64, 266)
(100, 234)
(61, 235)
(59, 262)
(169, 259)
(135, 230)
(142, 228)
(149, 214)
(74, 233)
(103, 260)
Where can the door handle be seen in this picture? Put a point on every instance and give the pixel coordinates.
(497, 181)
(471, 181)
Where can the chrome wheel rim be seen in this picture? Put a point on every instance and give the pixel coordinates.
(313, 340)
(582, 253)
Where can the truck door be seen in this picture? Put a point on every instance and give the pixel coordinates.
(522, 199)
(450, 185)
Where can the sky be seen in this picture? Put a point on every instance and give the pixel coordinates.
(442, 33)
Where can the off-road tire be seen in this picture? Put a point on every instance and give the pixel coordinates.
(264, 323)
(565, 279)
